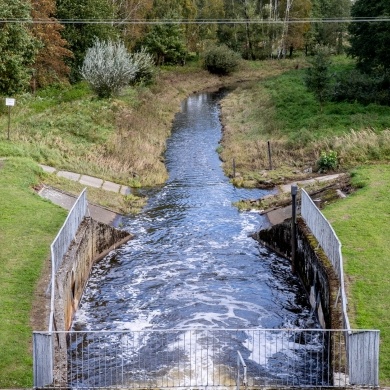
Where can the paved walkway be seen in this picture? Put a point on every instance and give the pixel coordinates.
(66, 200)
(280, 214)
(88, 180)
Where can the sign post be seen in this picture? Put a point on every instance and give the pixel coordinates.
(9, 102)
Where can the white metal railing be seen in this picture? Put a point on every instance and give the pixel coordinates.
(63, 240)
(43, 345)
(190, 358)
(362, 348)
(328, 241)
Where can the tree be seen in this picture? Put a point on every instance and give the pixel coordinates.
(317, 76)
(128, 10)
(370, 41)
(49, 64)
(330, 34)
(166, 43)
(81, 36)
(17, 47)
(108, 67)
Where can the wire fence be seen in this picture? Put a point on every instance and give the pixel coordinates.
(193, 358)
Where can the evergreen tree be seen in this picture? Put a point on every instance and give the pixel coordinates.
(17, 47)
(317, 75)
(81, 36)
(370, 41)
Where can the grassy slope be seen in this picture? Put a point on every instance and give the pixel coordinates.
(28, 224)
(281, 110)
(362, 223)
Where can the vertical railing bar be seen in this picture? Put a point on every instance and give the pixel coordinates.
(207, 358)
(191, 336)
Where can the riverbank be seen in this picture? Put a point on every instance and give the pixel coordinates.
(71, 130)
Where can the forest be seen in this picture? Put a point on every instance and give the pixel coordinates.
(44, 42)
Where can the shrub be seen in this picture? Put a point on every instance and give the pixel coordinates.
(221, 60)
(108, 67)
(327, 161)
(355, 86)
(145, 66)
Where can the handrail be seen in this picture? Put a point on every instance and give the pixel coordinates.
(333, 251)
(240, 360)
(74, 218)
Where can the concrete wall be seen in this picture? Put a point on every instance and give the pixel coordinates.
(94, 240)
(312, 266)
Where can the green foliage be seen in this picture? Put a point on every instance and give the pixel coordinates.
(330, 34)
(221, 60)
(17, 47)
(146, 69)
(318, 76)
(355, 86)
(81, 36)
(108, 67)
(327, 161)
(370, 41)
(166, 43)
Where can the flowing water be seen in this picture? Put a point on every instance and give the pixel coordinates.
(192, 264)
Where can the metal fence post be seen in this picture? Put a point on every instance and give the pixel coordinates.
(363, 358)
(294, 191)
(42, 359)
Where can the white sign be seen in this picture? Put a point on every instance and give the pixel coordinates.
(9, 102)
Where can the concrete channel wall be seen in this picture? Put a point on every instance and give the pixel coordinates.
(312, 267)
(93, 241)
(322, 282)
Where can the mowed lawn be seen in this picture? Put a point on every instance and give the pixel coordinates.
(362, 222)
(28, 225)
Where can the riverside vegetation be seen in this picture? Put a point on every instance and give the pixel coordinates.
(123, 139)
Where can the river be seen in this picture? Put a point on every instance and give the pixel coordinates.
(192, 263)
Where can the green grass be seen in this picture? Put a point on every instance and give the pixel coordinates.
(61, 125)
(297, 112)
(28, 224)
(362, 222)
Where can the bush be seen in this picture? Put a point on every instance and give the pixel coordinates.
(327, 161)
(221, 60)
(145, 66)
(354, 86)
(108, 67)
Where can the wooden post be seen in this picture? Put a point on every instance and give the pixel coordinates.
(234, 168)
(269, 155)
(9, 120)
(294, 191)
